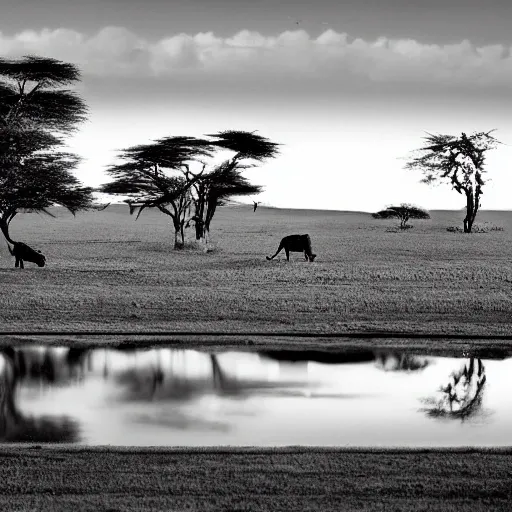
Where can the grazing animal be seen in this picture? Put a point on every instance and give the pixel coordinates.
(22, 252)
(295, 243)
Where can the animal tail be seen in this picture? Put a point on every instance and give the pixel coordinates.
(10, 250)
(277, 252)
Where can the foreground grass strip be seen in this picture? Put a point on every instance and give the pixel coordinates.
(79, 478)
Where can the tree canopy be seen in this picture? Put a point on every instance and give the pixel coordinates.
(31, 94)
(172, 174)
(35, 115)
(459, 161)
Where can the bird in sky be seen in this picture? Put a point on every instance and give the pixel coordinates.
(295, 20)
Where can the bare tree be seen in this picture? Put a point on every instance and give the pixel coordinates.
(36, 113)
(459, 161)
(404, 212)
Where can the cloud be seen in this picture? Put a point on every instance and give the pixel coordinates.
(291, 57)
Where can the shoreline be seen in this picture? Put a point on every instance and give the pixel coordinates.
(456, 346)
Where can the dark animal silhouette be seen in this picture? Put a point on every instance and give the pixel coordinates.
(22, 252)
(255, 205)
(295, 243)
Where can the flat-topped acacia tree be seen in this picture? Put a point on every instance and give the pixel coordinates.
(36, 113)
(404, 213)
(459, 161)
(172, 175)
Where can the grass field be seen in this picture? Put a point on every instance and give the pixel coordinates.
(296, 479)
(106, 270)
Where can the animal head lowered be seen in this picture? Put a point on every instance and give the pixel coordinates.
(22, 252)
(295, 243)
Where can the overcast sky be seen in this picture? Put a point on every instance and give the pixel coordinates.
(348, 87)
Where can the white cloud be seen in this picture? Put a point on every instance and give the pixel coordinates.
(289, 55)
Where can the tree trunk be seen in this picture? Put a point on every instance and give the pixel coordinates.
(469, 219)
(4, 227)
(199, 225)
(205, 241)
(179, 238)
(199, 212)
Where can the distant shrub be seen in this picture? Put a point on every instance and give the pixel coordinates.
(404, 212)
(486, 227)
(399, 229)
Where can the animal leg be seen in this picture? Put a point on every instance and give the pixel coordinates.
(21, 263)
(287, 254)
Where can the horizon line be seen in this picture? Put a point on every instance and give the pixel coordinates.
(336, 210)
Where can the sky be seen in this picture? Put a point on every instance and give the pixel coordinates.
(348, 88)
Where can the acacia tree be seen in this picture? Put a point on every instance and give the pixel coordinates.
(171, 175)
(404, 212)
(459, 161)
(156, 176)
(226, 180)
(36, 113)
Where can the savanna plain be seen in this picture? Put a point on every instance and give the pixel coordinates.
(107, 271)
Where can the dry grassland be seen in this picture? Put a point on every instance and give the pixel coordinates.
(107, 271)
(297, 479)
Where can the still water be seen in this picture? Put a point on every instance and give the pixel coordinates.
(170, 397)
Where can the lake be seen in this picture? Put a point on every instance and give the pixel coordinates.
(172, 397)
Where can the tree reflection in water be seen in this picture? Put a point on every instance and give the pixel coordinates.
(14, 425)
(177, 376)
(400, 361)
(461, 397)
(151, 382)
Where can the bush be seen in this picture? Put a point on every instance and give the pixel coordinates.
(399, 229)
(486, 227)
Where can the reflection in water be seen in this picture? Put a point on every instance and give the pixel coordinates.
(17, 427)
(319, 356)
(462, 396)
(393, 360)
(149, 382)
(164, 396)
(400, 361)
